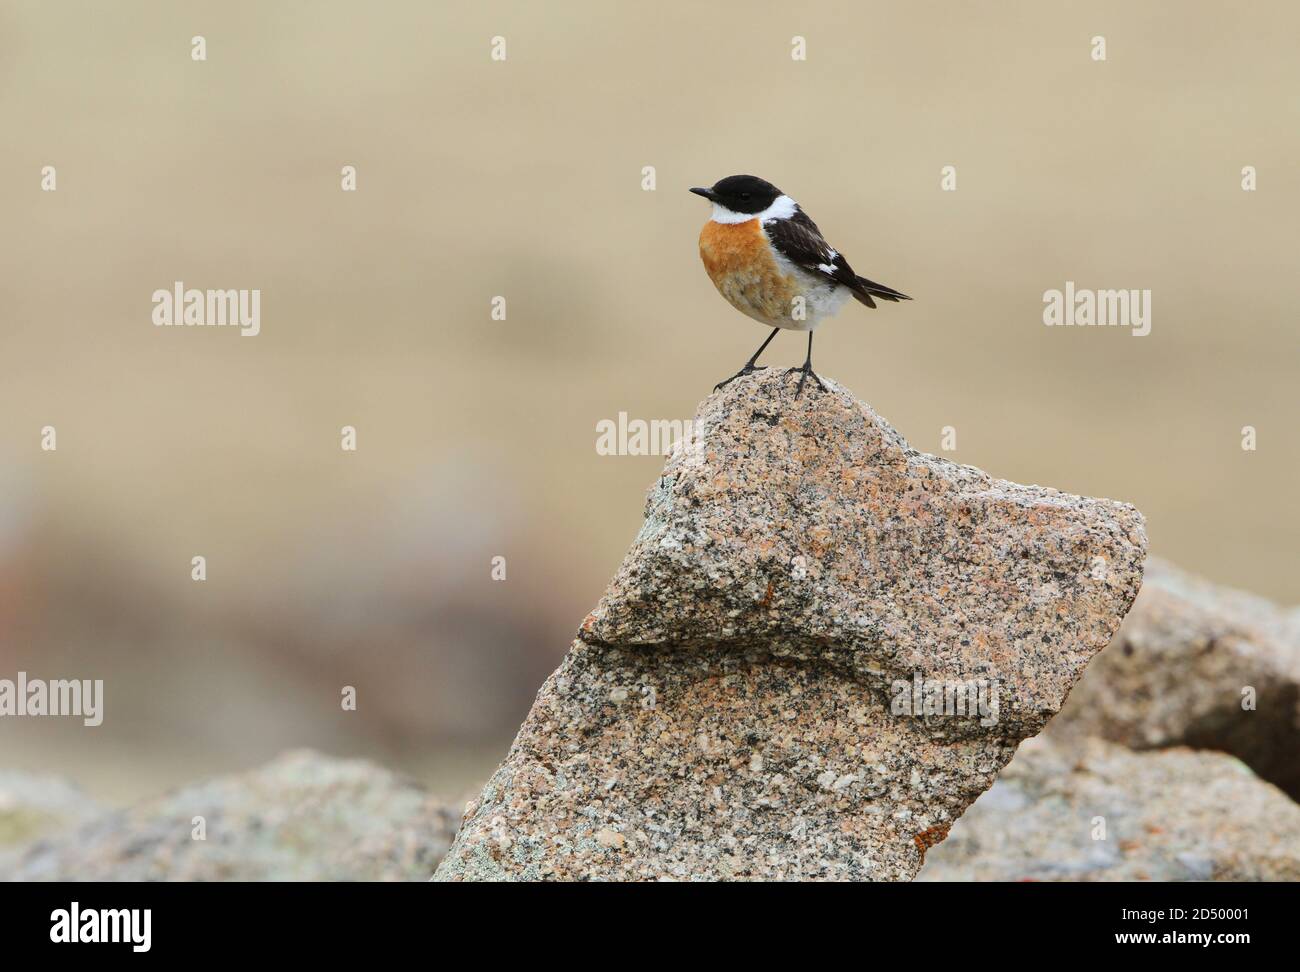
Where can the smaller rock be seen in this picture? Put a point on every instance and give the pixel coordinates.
(1198, 665)
(303, 817)
(36, 805)
(1099, 812)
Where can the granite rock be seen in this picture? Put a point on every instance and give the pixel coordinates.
(1168, 815)
(302, 817)
(1198, 665)
(779, 680)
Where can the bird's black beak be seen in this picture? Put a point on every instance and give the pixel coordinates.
(706, 193)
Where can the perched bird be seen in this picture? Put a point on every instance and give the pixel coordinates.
(771, 262)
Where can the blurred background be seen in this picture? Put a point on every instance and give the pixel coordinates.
(476, 438)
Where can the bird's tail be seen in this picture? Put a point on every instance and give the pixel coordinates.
(865, 289)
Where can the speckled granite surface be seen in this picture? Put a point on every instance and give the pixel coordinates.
(739, 703)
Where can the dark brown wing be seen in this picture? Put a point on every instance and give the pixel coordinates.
(798, 239)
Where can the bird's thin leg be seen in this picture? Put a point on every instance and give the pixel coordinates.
(806, 370)
(750, 367)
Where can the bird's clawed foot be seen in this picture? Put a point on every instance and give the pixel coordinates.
(749, 369)
(804, 374)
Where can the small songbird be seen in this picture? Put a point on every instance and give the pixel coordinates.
(771, 262)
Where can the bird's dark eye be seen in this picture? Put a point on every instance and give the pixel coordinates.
(744, 195)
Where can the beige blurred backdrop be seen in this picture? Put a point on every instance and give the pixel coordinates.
(476, 438)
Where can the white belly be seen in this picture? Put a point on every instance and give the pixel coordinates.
(822, 298)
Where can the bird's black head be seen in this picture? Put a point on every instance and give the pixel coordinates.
(742, 193)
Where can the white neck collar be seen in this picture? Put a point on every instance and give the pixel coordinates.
(782, 207)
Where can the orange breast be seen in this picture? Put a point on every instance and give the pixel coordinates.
(726, 247)
(739, 261)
